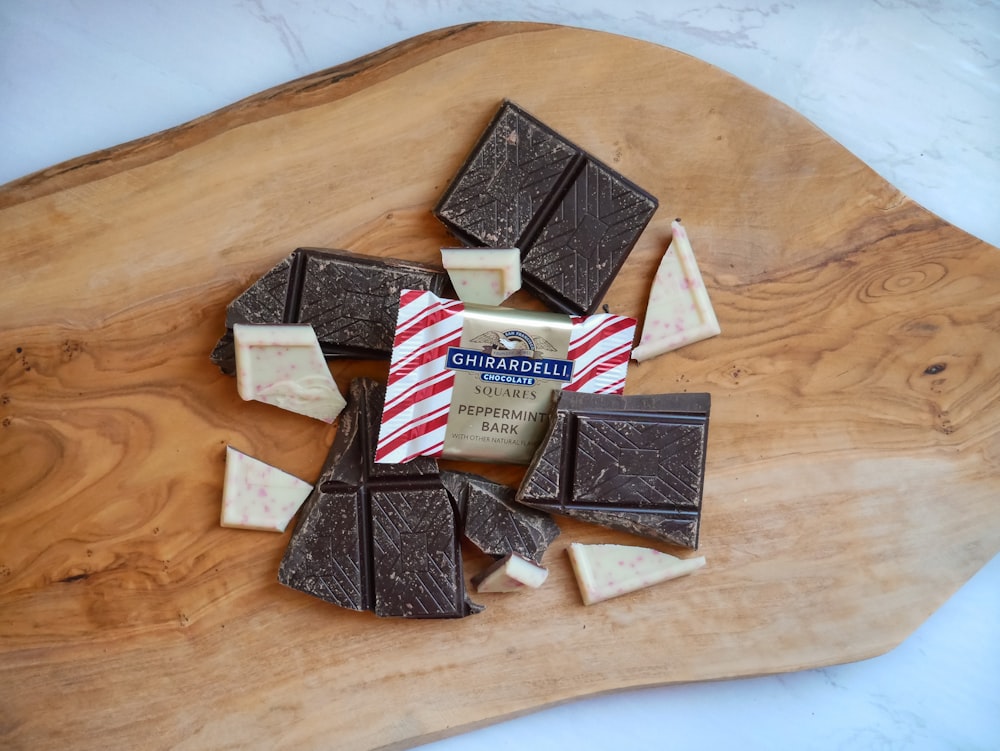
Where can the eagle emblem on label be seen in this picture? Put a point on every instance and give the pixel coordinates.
(513, 342)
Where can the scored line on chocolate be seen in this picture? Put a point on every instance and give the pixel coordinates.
(348, 298)
(293, 293)
(552, 200)
(635, 463)
(378, 537)
(574, 218)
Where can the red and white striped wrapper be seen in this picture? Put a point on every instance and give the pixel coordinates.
(420, 387)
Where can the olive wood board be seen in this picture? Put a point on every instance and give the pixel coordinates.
(853, 467)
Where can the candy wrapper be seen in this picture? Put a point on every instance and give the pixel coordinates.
(475, 382)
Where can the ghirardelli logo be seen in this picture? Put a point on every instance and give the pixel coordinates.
(511, 356)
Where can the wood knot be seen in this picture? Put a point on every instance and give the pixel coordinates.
(74, 578)
(735, 372)
(943, 423)
(70, 349)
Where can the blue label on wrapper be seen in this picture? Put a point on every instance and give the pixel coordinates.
(509, 368)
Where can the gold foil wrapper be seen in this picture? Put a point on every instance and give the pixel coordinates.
(475, 382)
(499, 412)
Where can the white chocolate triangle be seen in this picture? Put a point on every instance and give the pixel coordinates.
(283, 365)
(486, 276)
(258, 496)
(606, 571)
(679, 311)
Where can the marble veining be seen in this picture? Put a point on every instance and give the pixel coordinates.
(287, 34)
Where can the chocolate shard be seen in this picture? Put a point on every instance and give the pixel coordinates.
(350, 300)
(635, 463)
(224, 353)
(380, 537)
(510, 574)
(574, 218)
(266, 299)
(494, 522)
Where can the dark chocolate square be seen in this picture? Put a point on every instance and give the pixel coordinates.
(513, 171)
(574, 218)
(635, 463)
(325, 557)
(635, 450)
(418, 565)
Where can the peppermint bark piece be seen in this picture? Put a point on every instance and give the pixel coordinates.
(679, 311)
(283, 366)
(256, 495)
(512, 573)
(606, 571)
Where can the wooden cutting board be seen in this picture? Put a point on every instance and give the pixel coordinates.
(854, 452)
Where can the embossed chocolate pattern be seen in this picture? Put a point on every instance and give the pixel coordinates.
(374, 536)
(349, 299)
(635, 463)
(574, 218)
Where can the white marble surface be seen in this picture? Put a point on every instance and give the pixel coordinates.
(910, 86)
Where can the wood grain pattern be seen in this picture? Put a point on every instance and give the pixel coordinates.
(853, 457)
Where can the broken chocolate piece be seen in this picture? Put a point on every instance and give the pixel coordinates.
(494, 522)
(349, 299)
(635, 463)
(377, 537)
(510, 574)
(224, 353)
(574, 218)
